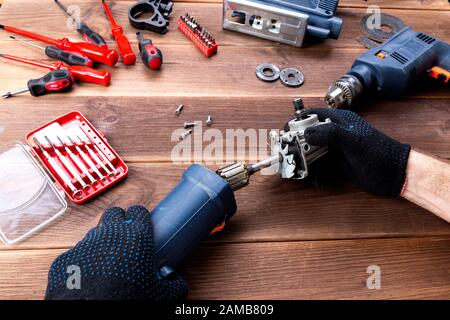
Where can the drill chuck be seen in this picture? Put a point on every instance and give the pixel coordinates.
(344, 92)
(237, 175)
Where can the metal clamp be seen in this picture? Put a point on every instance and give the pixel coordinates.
(158, 22)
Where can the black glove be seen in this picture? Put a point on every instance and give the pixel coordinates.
(115, 261)
(370, 159)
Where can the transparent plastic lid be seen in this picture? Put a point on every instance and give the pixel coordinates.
(29, 200)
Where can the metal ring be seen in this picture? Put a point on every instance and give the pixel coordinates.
(292, 77)
(261, 72)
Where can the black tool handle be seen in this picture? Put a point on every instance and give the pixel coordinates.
(90, 35)
(151, 56)
(71, 58)
(56, 81)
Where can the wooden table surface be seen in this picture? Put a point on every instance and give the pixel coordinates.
(287, 240)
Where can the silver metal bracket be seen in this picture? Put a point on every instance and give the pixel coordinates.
(264, 21)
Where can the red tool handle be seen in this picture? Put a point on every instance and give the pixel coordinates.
(126, 52)
(86, 74)
(80, 73)
(96, 53)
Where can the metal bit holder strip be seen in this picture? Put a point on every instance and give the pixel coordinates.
(198, 35)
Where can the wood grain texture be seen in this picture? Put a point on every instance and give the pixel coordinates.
(410, 269)
(268, 210)
(52, 22)
(141, 128)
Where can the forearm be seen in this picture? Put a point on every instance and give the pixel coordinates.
(428, 183)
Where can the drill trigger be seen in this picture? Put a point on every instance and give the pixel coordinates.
(439, 74)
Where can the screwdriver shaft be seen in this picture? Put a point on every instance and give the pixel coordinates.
(27, 42)
(68, 165)
(104, 157)
(59, 171)
(77, 161)
(87, 159)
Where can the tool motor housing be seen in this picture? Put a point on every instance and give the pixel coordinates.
(200, 202)
(395, 66)
(285, 21)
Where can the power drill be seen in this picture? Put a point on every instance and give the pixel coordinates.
(203, 201)
(392, 68)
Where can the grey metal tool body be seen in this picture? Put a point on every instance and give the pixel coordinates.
(66, 162)
(290, 152)
(59, 171)
(285, 21)
(77, 161)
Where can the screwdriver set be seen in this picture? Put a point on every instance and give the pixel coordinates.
(198, 35)
(77, 156)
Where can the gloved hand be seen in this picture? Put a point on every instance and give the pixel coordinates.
(115, 261)
(370, 159)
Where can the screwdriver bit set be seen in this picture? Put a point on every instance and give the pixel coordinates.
(77, 156)
(198, 35)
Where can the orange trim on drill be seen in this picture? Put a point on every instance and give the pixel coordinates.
(218, 228)
(439, 74)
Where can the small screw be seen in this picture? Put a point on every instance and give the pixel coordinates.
(190, 124)
(184, 135)
(179, 109)
(209, 121)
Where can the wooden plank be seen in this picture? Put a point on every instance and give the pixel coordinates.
(51, 21)
(410, 269)
(141, 129)
(268, 210)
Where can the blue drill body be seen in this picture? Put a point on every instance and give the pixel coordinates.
(392, 68)
(201, 201)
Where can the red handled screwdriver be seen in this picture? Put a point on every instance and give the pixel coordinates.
(96, 53)
(82, 28)
(55, 81)
(71, 58)
(126, 52)
(150, 55)
(80, 73)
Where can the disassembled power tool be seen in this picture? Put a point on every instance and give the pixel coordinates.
(198, 35)
(158, 22)
(285, 21)
(392, 68)
(209, 196)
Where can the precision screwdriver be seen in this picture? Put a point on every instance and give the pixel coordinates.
(71, 58)
(80, 73)
(96, 53)
(77, 161)
(59, 171)
(54, 81)
(96, 158)
(82, 28)
(126, 52)
(73, 171)
(103, 156)
(87, 159)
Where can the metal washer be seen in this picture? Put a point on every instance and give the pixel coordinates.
(292, 77)
(267, 66)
